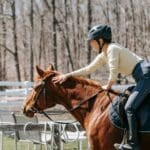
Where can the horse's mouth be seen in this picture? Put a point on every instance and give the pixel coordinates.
(28, 113)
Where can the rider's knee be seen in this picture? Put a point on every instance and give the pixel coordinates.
(129, 109)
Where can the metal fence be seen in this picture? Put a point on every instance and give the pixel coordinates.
(57, 134)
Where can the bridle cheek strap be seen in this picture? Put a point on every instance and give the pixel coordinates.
(42, 89)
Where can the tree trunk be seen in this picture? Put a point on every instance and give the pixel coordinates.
(16, 57)
(4, 73)
(54, 34)
(78, 33)
(89, 26)
(134, 24)
(67, 36)
(42, 53)
(117, 11)
(126, 28)
(31, 42)
(1, 12)
(74, 36)
(107, 18)
(25, 42)
(0, 63)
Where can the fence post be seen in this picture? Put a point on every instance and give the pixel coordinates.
(57, 136)
(1, 140)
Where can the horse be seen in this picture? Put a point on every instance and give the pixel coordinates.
(85, 100)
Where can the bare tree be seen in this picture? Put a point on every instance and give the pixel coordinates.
(4, 30)
(1, 13)
(78, 31)
(16, 57)
(89, 7)
(117, 12)
(54, 33)
(134, 24)
(39, 32)
(25, 43)
(67, 36)
(31, 42)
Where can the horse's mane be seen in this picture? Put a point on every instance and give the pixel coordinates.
(85, 81)
(75, 80)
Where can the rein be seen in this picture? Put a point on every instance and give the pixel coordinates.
(85, 100)
(42, 89)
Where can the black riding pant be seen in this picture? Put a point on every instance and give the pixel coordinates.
(141, 74)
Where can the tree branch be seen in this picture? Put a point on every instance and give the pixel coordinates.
(47, 5)
(7, 49)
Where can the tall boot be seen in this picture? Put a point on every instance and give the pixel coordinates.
(132, 143)
(118, 146)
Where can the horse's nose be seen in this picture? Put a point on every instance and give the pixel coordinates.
(27, 112)
(23, 110)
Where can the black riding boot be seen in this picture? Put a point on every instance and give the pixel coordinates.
(132, 143)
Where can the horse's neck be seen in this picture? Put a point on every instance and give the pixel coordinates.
(77, 92)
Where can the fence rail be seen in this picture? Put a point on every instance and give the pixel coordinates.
(16, 83)
(20, 127)
(34, 126)
(23, 88)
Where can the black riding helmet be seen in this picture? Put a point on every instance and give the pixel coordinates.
(100, 31)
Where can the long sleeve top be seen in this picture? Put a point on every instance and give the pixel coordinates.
(118, 58)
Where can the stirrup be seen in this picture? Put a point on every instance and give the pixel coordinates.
(127, 147)
(118, 146)
(130, 147)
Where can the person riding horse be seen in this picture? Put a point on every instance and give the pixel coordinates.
(120, 60)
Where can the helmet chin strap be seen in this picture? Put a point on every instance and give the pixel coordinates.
(100, 46)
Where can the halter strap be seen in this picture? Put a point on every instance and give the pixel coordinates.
(85, 100)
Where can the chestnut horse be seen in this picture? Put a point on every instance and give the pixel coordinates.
(92, 115)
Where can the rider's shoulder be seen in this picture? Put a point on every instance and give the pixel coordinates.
(114, 46)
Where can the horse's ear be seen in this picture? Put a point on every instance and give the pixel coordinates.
(39, 71)
(50, 67)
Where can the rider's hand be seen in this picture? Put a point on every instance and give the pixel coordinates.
(106, 87)
(60, 78)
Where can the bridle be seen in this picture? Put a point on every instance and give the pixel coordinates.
(43, 89)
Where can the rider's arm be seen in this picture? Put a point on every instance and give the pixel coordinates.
(94, 65)
(113, 62)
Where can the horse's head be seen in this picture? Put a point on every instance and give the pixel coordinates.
(75, 92)
(42, 95)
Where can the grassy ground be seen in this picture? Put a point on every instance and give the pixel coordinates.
(8, 144)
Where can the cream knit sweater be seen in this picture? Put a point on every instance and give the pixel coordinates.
(118, 58)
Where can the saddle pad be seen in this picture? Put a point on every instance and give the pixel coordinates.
(143, 115)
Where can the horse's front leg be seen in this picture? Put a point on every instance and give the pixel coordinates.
(94, 142)
(94, 145)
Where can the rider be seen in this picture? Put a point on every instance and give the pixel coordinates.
(119, 60)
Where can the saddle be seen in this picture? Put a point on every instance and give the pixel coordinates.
(118, 117)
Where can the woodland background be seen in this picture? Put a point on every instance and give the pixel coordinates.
(39, 32)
